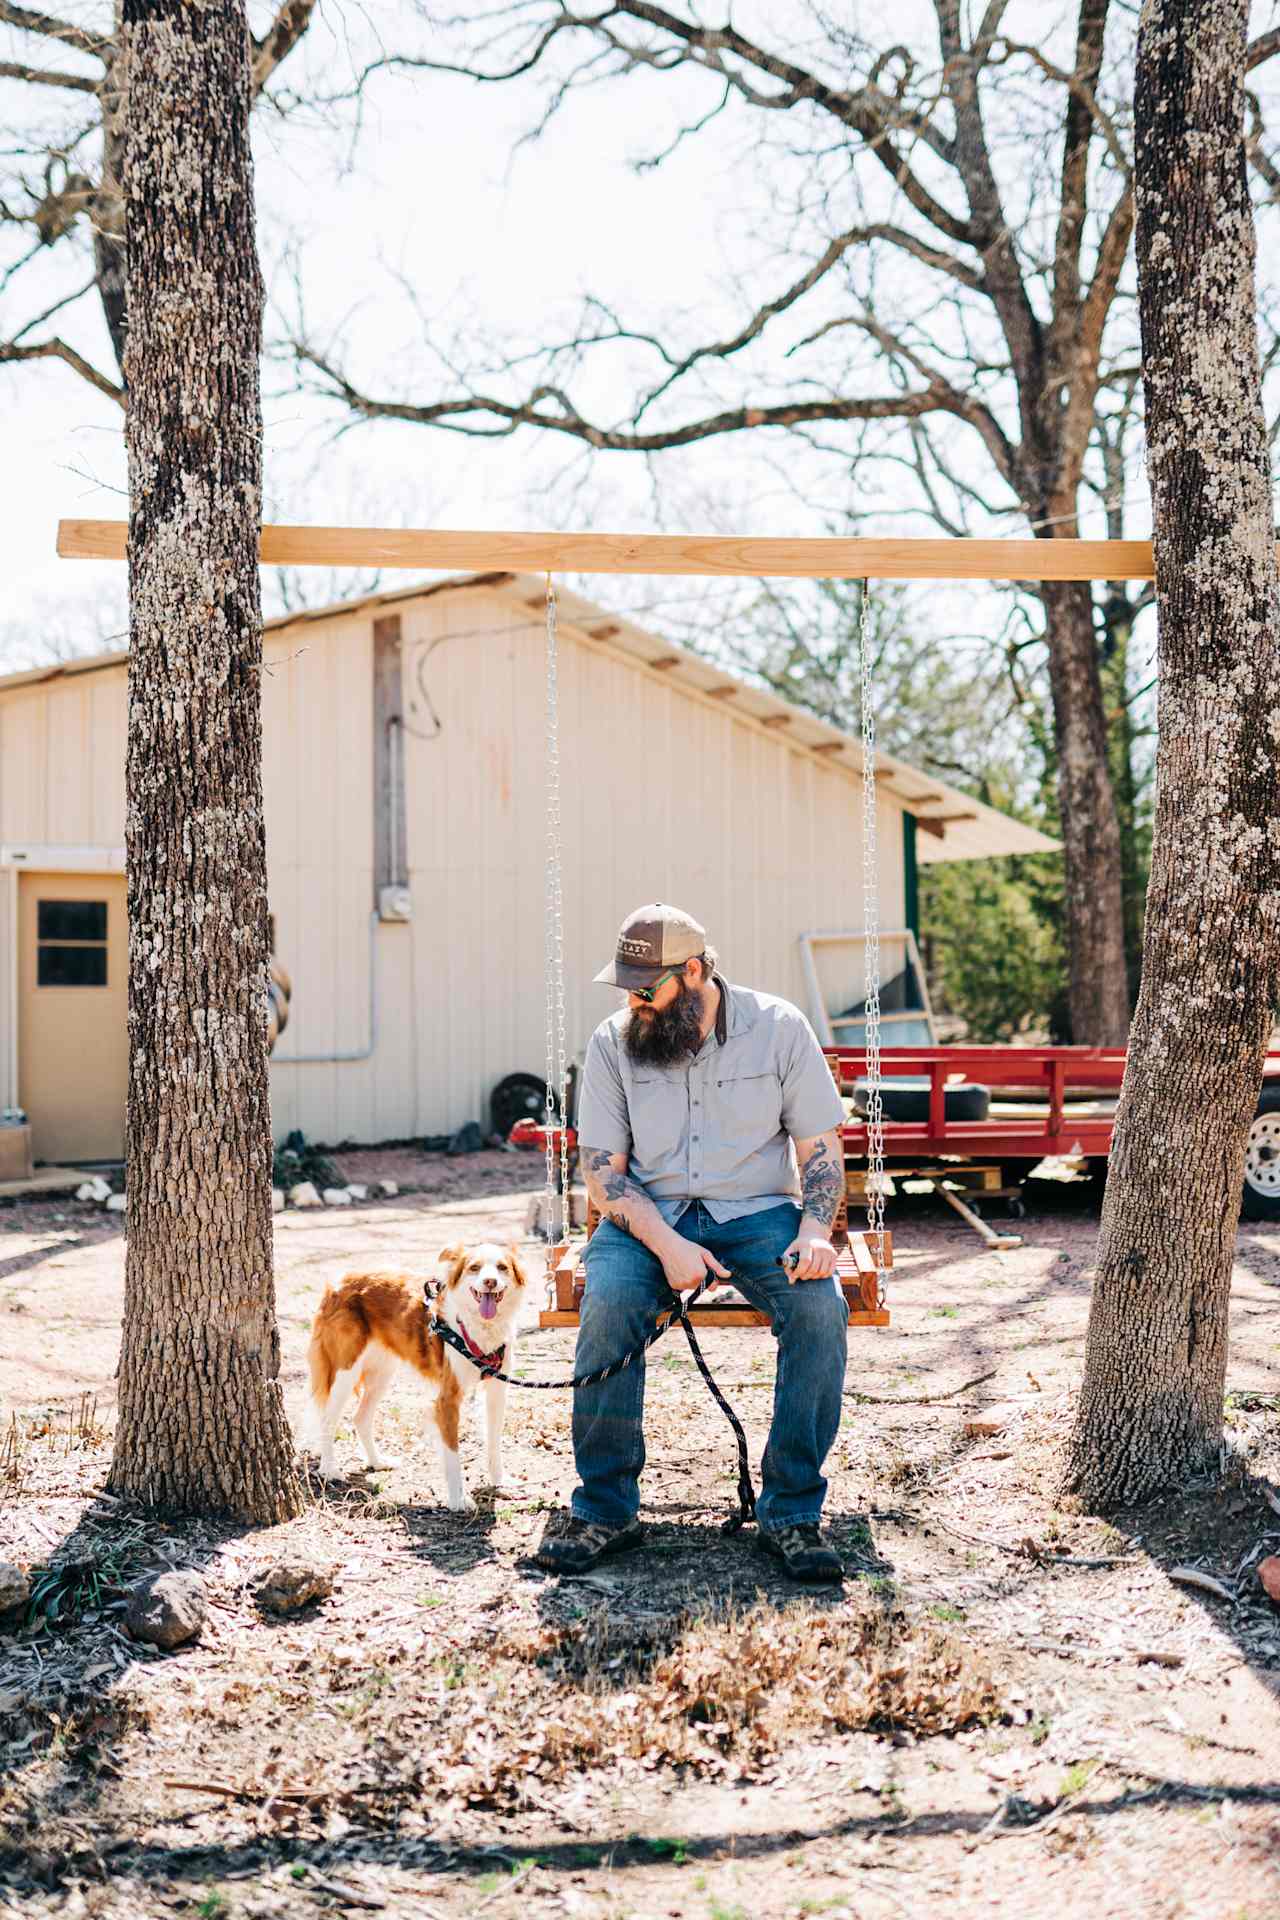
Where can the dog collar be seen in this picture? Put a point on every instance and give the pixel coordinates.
(494, 1359)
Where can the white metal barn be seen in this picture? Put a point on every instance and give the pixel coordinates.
(406, 832)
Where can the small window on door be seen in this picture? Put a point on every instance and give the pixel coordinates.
(71, 943)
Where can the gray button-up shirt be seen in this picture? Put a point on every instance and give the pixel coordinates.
(718, 1127)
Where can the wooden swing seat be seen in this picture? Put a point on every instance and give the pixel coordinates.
(855, 1270)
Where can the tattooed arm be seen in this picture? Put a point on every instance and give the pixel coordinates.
(821, 1162)
(624, 1201)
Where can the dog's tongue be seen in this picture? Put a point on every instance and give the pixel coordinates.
(488, 1306)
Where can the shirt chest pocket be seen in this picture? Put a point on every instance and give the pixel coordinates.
(658, 1110)
(749, 1106)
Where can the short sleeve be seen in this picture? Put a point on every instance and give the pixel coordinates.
(603, 1121)
(811, 1102)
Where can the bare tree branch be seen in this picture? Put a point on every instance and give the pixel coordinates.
(1263, 48)
(59, 350)
(50, 28)
(457, 415)
(46, 77)
(283, 35)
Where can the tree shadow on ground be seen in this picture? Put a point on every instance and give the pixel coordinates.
(440, 1865)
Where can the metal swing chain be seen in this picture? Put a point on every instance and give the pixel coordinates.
(871, 928)
(557, 1057)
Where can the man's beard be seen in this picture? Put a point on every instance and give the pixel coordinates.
(662, 1039)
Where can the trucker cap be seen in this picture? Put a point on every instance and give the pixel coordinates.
(650, 940)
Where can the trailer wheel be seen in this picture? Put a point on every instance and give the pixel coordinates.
(1261, 1199)
(905, 1097)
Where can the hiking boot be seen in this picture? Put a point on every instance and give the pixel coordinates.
(583, 1544)
(804, 1553)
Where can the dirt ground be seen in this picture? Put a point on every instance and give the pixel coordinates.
(1007, 1707)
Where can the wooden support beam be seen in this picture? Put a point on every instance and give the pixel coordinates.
(722, 693)
(660, 553)
(776, 720)
(828, 746)
(937, 823)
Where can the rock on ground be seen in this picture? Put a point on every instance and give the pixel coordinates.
(304, 1195)
(291, 1584)
(1269, 1577)
(15, 1588)
(167, 1609)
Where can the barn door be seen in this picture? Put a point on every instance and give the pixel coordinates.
(73, 1047)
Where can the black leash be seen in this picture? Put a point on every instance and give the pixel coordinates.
(679, 1315)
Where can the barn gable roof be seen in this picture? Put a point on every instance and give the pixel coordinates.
(953, 825)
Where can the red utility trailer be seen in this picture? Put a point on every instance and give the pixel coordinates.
(984, 1116)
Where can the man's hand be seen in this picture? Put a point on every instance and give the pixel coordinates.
(811, 1255)
(685, 1263)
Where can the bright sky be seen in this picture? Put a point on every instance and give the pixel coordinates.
(428, 201)
(431, 198)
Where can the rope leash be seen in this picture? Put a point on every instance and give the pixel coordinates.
(679, 1315)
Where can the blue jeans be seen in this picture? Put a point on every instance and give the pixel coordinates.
(627, 1289)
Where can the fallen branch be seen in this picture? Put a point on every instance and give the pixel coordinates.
(351, 1895)
(276, 1796)
(916, 1400)
(508, 1886)
(1190, 1577)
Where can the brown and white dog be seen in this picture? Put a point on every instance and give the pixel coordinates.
(374, 1319)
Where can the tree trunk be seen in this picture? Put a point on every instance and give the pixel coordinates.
(1093, 894)
(1121, 754)
(1150, 1413)
(202, 1425)
(109, 253)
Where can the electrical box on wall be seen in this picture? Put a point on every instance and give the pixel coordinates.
(395, 903)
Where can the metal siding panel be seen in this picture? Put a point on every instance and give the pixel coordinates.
(23, 768)
(426, 786)
(287, 1083)
(108, 722)
(67, 766)
(8, 985)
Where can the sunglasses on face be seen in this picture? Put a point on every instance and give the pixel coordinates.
(647, 993)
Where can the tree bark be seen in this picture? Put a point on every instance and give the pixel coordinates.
(1150, 1414)
(1093, 890)
(202, 1425)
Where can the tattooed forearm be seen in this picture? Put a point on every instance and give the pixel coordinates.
(821, 1184)
(619, 1198)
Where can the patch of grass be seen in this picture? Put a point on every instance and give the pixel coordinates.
(1076, 1778)
(943, 1313)
(62, 1592)
(212, 1905)
(676, 1851)
(720, 1912)
(944, 1611)
(430, 1599)
(1038, 1732)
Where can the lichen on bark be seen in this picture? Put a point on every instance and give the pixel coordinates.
(202, 1424)
(1150, 1411)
